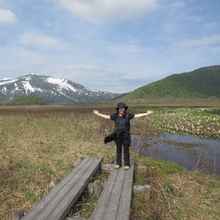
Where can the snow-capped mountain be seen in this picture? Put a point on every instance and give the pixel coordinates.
(50, 90)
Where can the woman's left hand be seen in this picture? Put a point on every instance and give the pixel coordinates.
(95, 111)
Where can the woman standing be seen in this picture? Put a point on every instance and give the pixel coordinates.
(121, 134)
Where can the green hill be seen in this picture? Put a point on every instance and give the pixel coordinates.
(200, 83)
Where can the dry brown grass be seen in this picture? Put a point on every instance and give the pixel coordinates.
(176, 196)
(38, 148)
(194, 196)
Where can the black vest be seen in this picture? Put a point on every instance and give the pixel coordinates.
(122, 123)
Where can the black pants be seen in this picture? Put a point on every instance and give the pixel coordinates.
(119, 145)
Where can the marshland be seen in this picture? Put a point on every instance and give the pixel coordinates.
(40, 145)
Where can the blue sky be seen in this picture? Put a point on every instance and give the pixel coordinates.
(114, 45)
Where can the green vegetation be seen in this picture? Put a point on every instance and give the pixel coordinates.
(41, 147)
(200, 83)
(195, 121)
(27, 100)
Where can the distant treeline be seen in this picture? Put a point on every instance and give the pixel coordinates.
(27, 100)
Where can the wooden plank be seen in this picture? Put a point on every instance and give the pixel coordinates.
(64, 191)
(115, 200)
(40, 206)
(52, 201)
(72, 196)
(126, 195)
(103, 200)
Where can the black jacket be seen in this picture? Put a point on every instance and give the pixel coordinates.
(122, 129)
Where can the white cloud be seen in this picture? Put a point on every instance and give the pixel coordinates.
(202, 42)
(99, 10)
(34, 39)
(7, 16)
(126, 47)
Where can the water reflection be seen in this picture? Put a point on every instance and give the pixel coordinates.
(189, 151)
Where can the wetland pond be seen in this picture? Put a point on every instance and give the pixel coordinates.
(192, 152)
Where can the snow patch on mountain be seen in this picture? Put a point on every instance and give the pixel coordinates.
(62, 83)
(4, 90)
(29, 88)
(6, 78)
(16, 87)
(7, 81)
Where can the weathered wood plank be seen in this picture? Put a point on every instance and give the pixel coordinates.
(126, 195)
(115, 200)
(72, 196)
(81, 174)
(103, 200)
(39, 207)
(54, 205)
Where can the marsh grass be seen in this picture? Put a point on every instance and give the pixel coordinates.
(176, 194)
(38, 148)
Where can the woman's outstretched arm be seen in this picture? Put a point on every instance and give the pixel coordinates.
(101, 115)
(143, 114)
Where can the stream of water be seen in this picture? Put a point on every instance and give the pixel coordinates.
(192, 152)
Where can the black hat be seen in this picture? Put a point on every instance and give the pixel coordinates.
(121, 105)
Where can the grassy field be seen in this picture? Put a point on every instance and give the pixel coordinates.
(40, 146)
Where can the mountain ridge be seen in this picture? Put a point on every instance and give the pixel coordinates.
(50, 90)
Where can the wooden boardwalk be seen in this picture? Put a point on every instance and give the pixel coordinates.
(115, 200)
(113, 204)
(64, 195)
